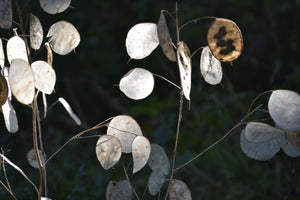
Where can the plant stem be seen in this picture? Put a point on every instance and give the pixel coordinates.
(102, 124)
(177, 26)
(179, 115)
(35, 146)
(219, 140)
(42, 148)
(22, 30)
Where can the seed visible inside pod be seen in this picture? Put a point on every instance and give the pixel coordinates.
(3, 90)
(225, 40)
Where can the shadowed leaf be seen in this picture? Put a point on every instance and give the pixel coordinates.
(108, 151)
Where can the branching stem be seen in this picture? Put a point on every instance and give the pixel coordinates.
(100, 125)
(219, 140)
(165, 79)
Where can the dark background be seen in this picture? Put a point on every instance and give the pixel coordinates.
(87, 79)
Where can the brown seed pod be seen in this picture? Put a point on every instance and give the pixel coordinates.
(225, 40)
(3, 90)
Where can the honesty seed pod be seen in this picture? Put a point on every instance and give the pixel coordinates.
(225, 40)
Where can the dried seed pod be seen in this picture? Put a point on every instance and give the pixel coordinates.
(185, 68)
(137, 84)
(31, 157)
(3, 90)
(225, 40)
(36, 32)
(164, 38)
(108, 151)
(126, 129)
(141, 40)
(54, 6)
(63, 37)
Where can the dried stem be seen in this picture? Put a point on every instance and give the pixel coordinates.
(165, 79)
(8, 190)
(100, 125)
(36, 146)
(127, 178)
(179, 116)
(219, 140)
(19, 12)
(42, 148)
(196, 20)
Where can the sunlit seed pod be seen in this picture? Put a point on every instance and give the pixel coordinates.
(3, 90)
(294, 139)
(141, 149)
(257, 132)
(158, 160)
(36, 32)
(2, 57)
(69, 110)
(179, 190)
(284, 108)
(141, 40)
(261, 151)
(63, 37)
(210, 67)
(21, 81)
(164, 38)
(5, 14)
(5, 75)
(10, 117)
(155, 182)
(108, 151)
(125, 128)
(288, 148)
(45, 104)
(185, 68)
(54, 6)
(225, 40)
(31, 157)
(137, 84)
(44, 75)
(121, 190)
(16, 49)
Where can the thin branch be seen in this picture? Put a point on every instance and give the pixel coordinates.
(20, 171)
(42, 148)
(179, 114)
(196, 20)
(167, 80)
(8, 190)
(219, 140)
(127, 178)
(165, 11)
(177, 29)
(196, 51)
(255, 99)
(36, 146)
(176, 140)
(145, 190)
(19, 12)
(4, 172)
(90, 136)
(100, 125)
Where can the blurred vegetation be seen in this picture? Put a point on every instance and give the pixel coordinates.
(87, 78)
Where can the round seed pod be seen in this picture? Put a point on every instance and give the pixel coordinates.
(225, 40)
(3, 90)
